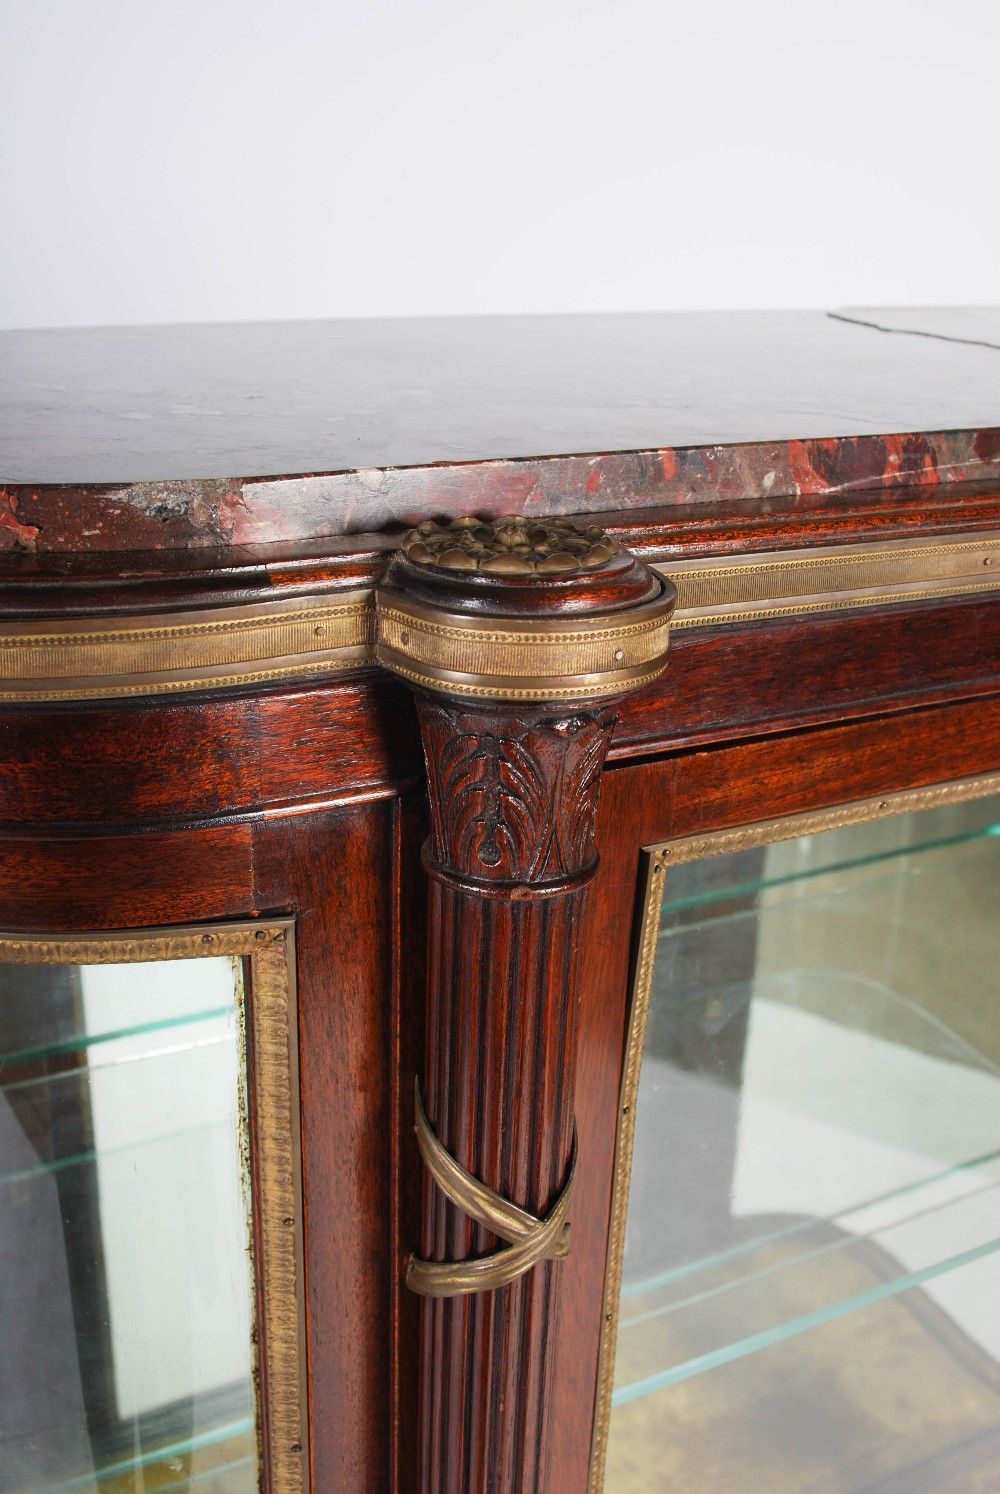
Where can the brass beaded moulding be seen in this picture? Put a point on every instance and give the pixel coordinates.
(315, 636)
(444, 612)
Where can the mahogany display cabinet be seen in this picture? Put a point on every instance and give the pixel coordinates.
(448, 770)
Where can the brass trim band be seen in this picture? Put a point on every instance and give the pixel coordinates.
(659, 859)
(563, 658)
(268, 1007)
(514, 659)
(831, 578)
(652, 902)
(814, 821)
(169, 652)
(572, 687)
(529, 1239)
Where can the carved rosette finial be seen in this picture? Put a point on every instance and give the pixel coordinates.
(510, 546)
(521, 610)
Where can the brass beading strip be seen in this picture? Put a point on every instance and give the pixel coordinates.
(509, 653)
(529, 1239)
(282, 1271)
(270, 947)
(171, 652)
(831, 578)
(561, 658)
(652, 902)
(562, 687)
(813, 822)
(659, 858)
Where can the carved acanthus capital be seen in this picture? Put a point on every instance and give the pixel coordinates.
(513, 798)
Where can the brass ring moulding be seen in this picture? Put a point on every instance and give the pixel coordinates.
(519, 610)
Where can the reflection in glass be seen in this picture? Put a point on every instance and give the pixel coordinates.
(125, 1281)
(811, 1285)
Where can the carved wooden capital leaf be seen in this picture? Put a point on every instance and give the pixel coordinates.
(514, 800)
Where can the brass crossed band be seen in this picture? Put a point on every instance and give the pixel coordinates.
(529, 1240)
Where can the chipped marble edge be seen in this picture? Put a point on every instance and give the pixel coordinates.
(226, 514)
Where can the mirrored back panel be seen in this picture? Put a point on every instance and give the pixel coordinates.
(148, 1245)
(809, 1289)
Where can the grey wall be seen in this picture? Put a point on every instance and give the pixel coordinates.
(290, 158)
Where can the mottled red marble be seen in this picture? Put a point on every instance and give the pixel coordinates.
(224, 515)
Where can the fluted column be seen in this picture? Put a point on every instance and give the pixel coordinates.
(519, 638)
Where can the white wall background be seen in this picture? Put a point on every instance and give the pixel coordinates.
(219, 159)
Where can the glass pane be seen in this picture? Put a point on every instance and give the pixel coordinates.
(811, 1285)
(125, 1296)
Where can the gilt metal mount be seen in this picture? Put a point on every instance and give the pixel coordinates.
(529, 1239)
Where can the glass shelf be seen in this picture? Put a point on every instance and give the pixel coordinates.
(821, 868)
(220, 1459)
(119, 1003)
(883, 1398)
(168, 1154)
(810, 1295)
(85, 1042)
(760, 1302)
(223, 1453)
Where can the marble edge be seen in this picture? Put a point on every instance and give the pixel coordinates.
(227, 514)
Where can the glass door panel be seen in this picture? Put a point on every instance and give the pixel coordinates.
(810, 1293)
(127, 1289)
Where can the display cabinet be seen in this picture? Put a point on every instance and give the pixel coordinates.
(498, 915)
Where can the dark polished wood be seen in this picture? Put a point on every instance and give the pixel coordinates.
(336, 872)
(507, 895)
(104, 765)
(774, 676)
(512, 793)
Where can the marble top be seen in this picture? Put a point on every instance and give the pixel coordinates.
(251, 433)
